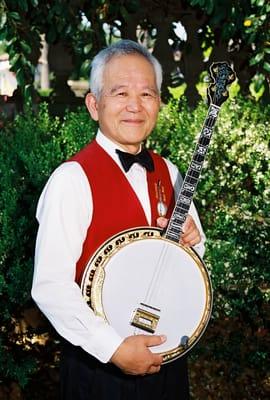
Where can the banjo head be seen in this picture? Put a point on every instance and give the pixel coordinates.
(142, 283)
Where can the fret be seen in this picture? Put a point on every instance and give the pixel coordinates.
(172, 238)
(184, 207)
(204, 140)
(190, 179)
(207, 132)
(182, 218)
(193, 174)
(174, 231)
(185, 200)
(187, 193)
(174, 234)
(201, 150)
(176, 218)
(213, 111)
(198, 158)
(188, 187)
(196, 166)
(181, 212)
(209, 121)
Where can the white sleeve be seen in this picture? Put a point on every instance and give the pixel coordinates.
(177, 183)
(64, 213)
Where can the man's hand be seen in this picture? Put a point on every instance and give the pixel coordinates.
(191, 234)
(134, 357)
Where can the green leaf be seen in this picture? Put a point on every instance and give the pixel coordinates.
(23, 5)
(266, 66)
(195, 2)
(85, 67)
(14, 60)
(28, 92)
(257, 58)
(14, 15)
(3, 35)
(25, 46)
(87, 48)
(210, 6)
(34, 3)
(20, 76)
(3, 19)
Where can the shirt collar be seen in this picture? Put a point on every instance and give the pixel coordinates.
(109, 146)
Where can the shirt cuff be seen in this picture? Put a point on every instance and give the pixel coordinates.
(104, 343)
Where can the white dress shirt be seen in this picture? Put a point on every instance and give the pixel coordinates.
(64, 214)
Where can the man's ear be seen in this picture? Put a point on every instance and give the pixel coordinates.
(92, 107)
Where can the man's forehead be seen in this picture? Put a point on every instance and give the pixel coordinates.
(129, 63)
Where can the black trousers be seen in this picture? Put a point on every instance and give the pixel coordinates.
(82, 377)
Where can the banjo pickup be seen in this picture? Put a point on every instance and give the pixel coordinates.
(145, 320)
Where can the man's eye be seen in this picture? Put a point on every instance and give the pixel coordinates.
(121, 94)
(148, 95)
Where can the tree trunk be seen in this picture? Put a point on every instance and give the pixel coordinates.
(192, 56)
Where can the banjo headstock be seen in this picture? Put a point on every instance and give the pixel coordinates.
(222, 75)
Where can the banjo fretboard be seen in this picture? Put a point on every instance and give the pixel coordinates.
(222, 75)
(183, 202)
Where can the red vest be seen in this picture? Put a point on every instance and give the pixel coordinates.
(115, 204)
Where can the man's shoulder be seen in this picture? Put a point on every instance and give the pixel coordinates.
(84, 153)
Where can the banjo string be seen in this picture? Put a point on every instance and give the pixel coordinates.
(155, 283)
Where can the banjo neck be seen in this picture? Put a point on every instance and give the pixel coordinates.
(184, 199)
(222, 75)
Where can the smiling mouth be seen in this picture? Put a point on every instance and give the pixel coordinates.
(133, 121)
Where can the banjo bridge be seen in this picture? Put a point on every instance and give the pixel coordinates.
(145, 320)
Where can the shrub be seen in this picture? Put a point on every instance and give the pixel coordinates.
(31, 147)
(233, 199)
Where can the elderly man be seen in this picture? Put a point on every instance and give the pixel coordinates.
(77, 213)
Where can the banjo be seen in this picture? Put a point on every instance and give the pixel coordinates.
(142, 281)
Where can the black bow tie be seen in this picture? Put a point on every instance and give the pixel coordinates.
(143, 158)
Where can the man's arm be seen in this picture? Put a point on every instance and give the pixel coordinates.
(64, 217)
(64, 214)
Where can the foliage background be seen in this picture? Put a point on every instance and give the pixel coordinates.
(236, 30)
(233, 201)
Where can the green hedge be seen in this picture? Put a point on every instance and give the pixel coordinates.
(30, 148)
(233, 201)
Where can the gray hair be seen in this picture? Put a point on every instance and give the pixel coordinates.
(120, 48)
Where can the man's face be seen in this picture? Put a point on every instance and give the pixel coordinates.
(128, 107)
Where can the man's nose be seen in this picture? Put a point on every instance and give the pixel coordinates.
(134, 103)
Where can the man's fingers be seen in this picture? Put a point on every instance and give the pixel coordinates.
(153, 369)
(134, 355)
(188, 224)
(191, 238)
(154, 340)
(162, 222)
(191, 234)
